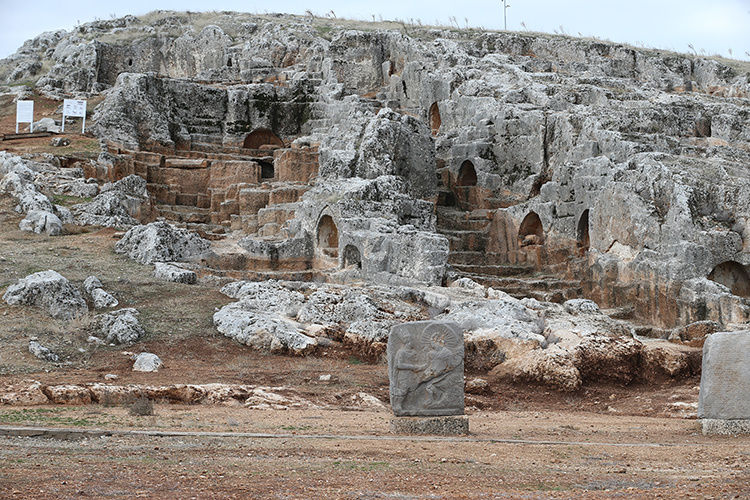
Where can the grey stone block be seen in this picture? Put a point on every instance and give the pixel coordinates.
(725, 379)
(725, 427)
(456, 425)
(426, 369)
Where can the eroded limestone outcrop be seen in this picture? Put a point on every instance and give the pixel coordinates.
(550, 168)
(50, 291)
(161, 242)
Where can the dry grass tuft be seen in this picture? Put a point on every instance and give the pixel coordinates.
(142, 407)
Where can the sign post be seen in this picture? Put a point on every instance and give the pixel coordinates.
(74, 107)
(25, 114)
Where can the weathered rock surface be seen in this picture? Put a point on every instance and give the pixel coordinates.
(47, 125)
(161, 242)
(67, 394)
(618, 173)
(147, 362)
(298, 317)
(48, 290)
(25, 393)
(262, 331)
(598, 358)
(169, 272)
(38, 222)
(30, 392)
(120, 327)
(90, 283)
(20, 180)
(103, 299)
(41, 352)
(120, 205)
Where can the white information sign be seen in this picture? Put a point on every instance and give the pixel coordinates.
(25, 114)
(74, 107)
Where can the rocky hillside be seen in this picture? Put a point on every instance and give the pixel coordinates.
(549, 167)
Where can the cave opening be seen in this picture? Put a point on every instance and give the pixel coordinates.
(261, 138)
(583, 239)
(467, 175)
(732, 275)
(531, 231)
(328, 236)
(352, 257)
(435, 120)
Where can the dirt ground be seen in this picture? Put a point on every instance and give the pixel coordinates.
(605, 441)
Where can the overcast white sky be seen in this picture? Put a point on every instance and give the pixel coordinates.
(713, 26)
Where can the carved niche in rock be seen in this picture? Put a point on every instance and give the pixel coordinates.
(262, 139)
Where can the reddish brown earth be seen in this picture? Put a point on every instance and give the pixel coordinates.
(605, 441)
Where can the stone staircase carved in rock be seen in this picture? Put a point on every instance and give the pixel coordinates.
(468, 233)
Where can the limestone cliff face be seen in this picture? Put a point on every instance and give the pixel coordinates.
(622, 168)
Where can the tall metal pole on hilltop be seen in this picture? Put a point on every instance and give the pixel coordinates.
(505, 15)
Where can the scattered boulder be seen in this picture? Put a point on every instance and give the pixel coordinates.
(50, 291)
(147, 362)
(58, 142)
(19, 181)
(120, 205)
(162, 242)
(90, 283)
(169, 272)
(581, 306)
(102, 299)
(478, 386)
(120, 327)
(48, 125)
(42, 352)
(364, 400)
(41, 221)
(261, 330)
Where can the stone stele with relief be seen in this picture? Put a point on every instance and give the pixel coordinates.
(426, 369)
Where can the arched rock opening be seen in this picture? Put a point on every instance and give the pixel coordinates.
(266, 170)
(435, 120)
(260, 138)
(328, 236)
(229, 62)
(531, 231)
(352, 257)
(467, 175)
(583, 239)
(732, 275)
